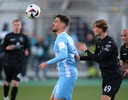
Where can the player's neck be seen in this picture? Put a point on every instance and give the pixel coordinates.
(126, 45)
(59, 32)
(16, 32)
(103, 35)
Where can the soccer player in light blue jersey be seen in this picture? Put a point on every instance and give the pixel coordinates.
(65, 50)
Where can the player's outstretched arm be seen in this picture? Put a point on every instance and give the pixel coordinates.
(42, 65)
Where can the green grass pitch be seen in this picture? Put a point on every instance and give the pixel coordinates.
(82, 90)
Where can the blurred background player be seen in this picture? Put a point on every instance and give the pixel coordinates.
(41, 51)
(2, 35)
(90, 43)
(124, 51)
(65, 58)
(15, 46)
(106, 54)
(24, 69)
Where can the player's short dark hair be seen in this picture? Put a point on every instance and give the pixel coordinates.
(101, 23)
(16, 20)
(64, 19)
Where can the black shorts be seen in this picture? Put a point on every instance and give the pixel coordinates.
(111, 86)
(12, 73)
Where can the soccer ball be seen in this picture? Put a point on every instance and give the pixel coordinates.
(33, 11)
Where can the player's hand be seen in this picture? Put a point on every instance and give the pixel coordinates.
(26, 52)
(57, 69)
(10, 47)
(42, 65)
(77, 57)
(81, 46)
(126, 72)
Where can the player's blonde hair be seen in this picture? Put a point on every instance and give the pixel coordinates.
(16, 20)
(101, 23)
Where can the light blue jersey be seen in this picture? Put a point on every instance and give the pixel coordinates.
(65, 50)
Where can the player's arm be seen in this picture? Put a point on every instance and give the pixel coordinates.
(62, 55)
(98, 58)
(83, 58)
(58, 58)
(5, 47)
(123, 65)
(26, 46)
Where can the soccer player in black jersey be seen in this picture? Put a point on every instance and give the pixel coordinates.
(15, 46)
(124, 51)
(106, 54)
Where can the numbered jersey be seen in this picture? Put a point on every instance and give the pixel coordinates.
(65, 55)
(108, 52)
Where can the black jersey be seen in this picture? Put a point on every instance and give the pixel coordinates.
(124, 53)
(14, 57)
(106, 54)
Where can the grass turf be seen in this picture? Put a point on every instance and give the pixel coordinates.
(27, 91)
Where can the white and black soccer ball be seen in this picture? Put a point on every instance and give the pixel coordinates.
(33, 11)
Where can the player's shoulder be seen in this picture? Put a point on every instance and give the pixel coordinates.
(9, 34)
(62, 36)
(23, 35)
(110, 40)
(122, 47)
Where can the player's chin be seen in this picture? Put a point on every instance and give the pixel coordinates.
(54, 30)
(125, 43)
(95, 34)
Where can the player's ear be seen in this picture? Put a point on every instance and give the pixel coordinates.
(101, 30)
(63, 25)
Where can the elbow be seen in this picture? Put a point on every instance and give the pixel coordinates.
(99, 60)
(64, 57)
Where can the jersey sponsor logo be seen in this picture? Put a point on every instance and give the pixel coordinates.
(124, 53)
(107, 88)
(17, 46)
(12, 39)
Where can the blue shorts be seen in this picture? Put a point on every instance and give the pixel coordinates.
(64, 87)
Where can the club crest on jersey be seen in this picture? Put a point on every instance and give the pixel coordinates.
(21, 39)
(107, 47)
